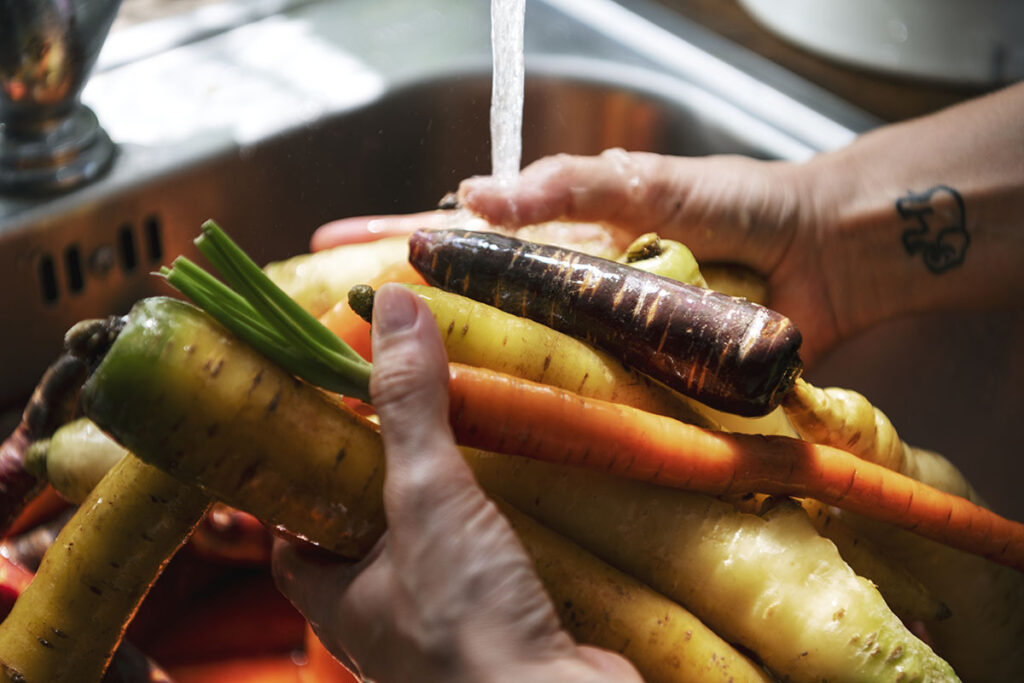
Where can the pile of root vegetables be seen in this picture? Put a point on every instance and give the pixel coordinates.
(689, 500)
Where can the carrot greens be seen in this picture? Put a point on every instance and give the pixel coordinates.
(263, 315)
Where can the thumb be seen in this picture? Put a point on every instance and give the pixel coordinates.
(409, 382)
(409, 389)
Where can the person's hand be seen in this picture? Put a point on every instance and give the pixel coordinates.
(725, 209)
(448, 594)
(729, 209)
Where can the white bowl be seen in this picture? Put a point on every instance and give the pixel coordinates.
(957, 41)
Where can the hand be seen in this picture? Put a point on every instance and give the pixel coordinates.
(729, 209)
(448, 594)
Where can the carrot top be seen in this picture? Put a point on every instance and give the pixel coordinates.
(264, 316)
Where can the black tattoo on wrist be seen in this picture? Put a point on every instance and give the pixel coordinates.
(939, 230)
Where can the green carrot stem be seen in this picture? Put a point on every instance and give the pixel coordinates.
(264, 316)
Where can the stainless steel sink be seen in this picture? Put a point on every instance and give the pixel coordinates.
(273, 117)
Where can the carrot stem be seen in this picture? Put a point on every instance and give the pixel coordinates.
(547, 423)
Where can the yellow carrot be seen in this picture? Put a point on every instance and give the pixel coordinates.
(983, 635)
(771, 584)
(602, 606)
(846, 419)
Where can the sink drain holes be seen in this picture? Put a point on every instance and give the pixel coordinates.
(126, 248)
(154, 243)
(73, 268)
(48, 279)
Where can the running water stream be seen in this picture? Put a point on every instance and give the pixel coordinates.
(507, 19)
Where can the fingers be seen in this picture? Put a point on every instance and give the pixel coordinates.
(409, 386)
(724, 208)
(360, 229)
(306, 574)
(317, 584)
(608, 665)
(612, 187)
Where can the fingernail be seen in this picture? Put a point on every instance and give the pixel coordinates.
(394, 310)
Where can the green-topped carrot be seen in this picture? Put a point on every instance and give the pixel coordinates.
(160, 389)
(729, 353)
(498, 412)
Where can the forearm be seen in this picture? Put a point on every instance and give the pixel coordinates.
(927, 215)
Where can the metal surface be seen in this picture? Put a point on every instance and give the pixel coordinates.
(49, 140)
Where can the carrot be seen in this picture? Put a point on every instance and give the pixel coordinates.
(71, 618)
(602, 606)
(480, 335)
(846, 419)
(52, 403)
(319, 280)
(737, 280)
(905, 594)
(349, 325)
(547, 423)
(769, 583)
(207, 407)
(666, 258)
(674, 260)
(75, 458)
(982, 638)
(41, 509)
(728, 353)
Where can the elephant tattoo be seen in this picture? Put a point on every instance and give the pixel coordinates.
(939, 231)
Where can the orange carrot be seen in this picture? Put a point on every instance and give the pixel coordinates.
(546, 423)
(347, 324)
(44, 507)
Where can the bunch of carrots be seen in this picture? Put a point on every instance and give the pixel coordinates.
(688, 348)
(499, 412)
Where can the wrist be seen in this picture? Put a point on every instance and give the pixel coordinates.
(924, 215)
(857, 232)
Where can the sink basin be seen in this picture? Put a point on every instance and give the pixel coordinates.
(275, 122)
